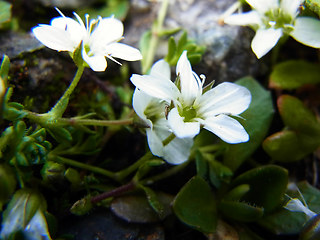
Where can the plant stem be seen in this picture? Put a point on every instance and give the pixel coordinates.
(85, 166)
(155, 30)
(93, 122)
(115, 192)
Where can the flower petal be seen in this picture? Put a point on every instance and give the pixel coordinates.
(123, 51)
(155, 143)
(161, 69)
(307, 31)
(226, 128)
(97, 63)
(178, 150)
(160, 88)
(228, 98)
(54, 38)
(191, 86)
(263, 6)
(265, 40)
(75, 29)
(291, 6)
(107, 31)
(180, 128)
(140, 102)
(244, 19)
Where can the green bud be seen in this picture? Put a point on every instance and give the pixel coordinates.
(7, 184)
(82, 206)
(73, 176)
(52, 171)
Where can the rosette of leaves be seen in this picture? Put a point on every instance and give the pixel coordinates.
(175, 49)
(22, 146)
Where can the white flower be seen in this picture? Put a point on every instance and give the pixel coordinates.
(274, 18)
(295, 205)
(98, 38)
(152, 111)
(190, 108)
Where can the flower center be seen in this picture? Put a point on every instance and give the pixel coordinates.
(277, 18)
(189, 113)
(155, 111)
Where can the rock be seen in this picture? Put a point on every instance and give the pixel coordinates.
(228, 54)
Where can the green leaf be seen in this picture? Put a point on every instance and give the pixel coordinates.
(5, 12)
(5, 66)
(257, 120)
(267, 186)
(219, 173)
(289, 146)
(240, 211)
(296, 116)
(294, 74)
(201, 165)
(8, 183)
(237, 193)
(195, 205)
(154, 202)
(314, 5)
(172, 47)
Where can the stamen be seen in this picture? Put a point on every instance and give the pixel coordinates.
(203, 78)
(58, 10)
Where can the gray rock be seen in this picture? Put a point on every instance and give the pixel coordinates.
(228, 54)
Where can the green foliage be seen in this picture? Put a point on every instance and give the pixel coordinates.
(294, 74)
(267, 186)
(27, 218)
(175, 50)
(22, 146)
(301, 135)
(195, 205)
(314, 5)
(5, 12)
(7, 183)
(117, 8)
(256, 120)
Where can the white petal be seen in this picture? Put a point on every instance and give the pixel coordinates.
(228, 98)
(295, 205)
(75, 30)
(161, 69)
(107, 31)
(123, 51)
(307, 31)
(178, 150)
(180, 128)
(140, 102)
(191, 86)
(226, 128)
(97, 63)
(159, 88)
(291, 6)
(263, 6)
(244, 19)
(265, 40)
(54, 38)
(155, 143)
